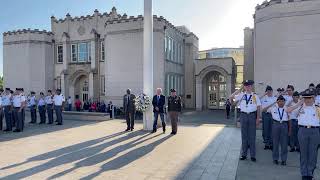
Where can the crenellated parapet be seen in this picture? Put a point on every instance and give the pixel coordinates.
(27, 31)
(139, 18)
(267, 3)
(112, 14)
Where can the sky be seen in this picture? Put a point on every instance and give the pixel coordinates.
(217, 23)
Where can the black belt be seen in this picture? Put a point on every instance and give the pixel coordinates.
(280, 122)
(308, 127)
(16, 107)
(49, 104)
(248, 112)
(266, 113)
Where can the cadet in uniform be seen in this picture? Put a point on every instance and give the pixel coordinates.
(19, 102)
(6, 103)
(23, 97)
(42, 108)
(293, 116)
(33, 108)
(280, 127)
(317, 98)
(249, 118)
(59, 100)
(280, 92)
(174, 108)
(49, 103)
(267, 100)
(289, 93)
(308, 135)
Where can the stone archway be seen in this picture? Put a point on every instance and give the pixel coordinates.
(79, 85)
(213, 86)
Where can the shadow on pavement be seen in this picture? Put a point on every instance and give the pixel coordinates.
(71, 154)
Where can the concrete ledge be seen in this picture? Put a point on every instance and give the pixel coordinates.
(85, 113)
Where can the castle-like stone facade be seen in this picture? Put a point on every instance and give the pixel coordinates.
(282, 48)
(99, 56)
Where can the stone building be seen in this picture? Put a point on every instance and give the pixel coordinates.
(99, 56)
(282, 48)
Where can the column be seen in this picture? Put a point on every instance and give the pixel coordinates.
(148, 61)
(66, 49)
(198, 94)
(91, 85)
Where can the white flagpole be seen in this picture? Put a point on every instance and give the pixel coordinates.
(148, 61)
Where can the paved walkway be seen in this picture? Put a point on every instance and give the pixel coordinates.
(101, 150)
(264, 169)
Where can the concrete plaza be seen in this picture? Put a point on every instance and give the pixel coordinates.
(101, 150)
(206, 147)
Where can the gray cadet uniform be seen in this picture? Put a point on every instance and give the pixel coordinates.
(267, 119)
(293, 116)
(308, 136)
(279, 132)
(6, 103)
(42, 110)
(49, 103)
(248, 115)
(33, 108)
(18, 111)
(58, 107)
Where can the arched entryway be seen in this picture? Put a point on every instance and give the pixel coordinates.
(79, 85)
(213, 86)
(215, 90)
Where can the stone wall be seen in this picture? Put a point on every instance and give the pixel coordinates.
(286, 45)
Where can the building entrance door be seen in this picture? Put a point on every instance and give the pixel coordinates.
(85, 91)
(217, 91)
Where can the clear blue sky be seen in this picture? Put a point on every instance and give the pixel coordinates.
(218, 23)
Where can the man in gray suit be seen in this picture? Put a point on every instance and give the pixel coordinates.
(129, 108)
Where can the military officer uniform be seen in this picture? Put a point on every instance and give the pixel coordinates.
(308, 135)
(6, 103)
(174, 108)
(33, 108)
(59, 100)
(280, 131)
(42, 108)
(267, 119)
(249, 104)
(49, 104)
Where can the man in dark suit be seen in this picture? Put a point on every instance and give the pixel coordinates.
(158, 103)
(129, 108)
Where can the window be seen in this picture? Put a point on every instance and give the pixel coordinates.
(168, 85)
(102, 85)
(165, 45)
(170, 49)
(89, 51)
(83, 50)
(60, 54)
(74, 53)
(102, 51)
(182, 85)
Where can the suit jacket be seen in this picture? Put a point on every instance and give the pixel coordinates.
(160, 104)
(129, 106)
